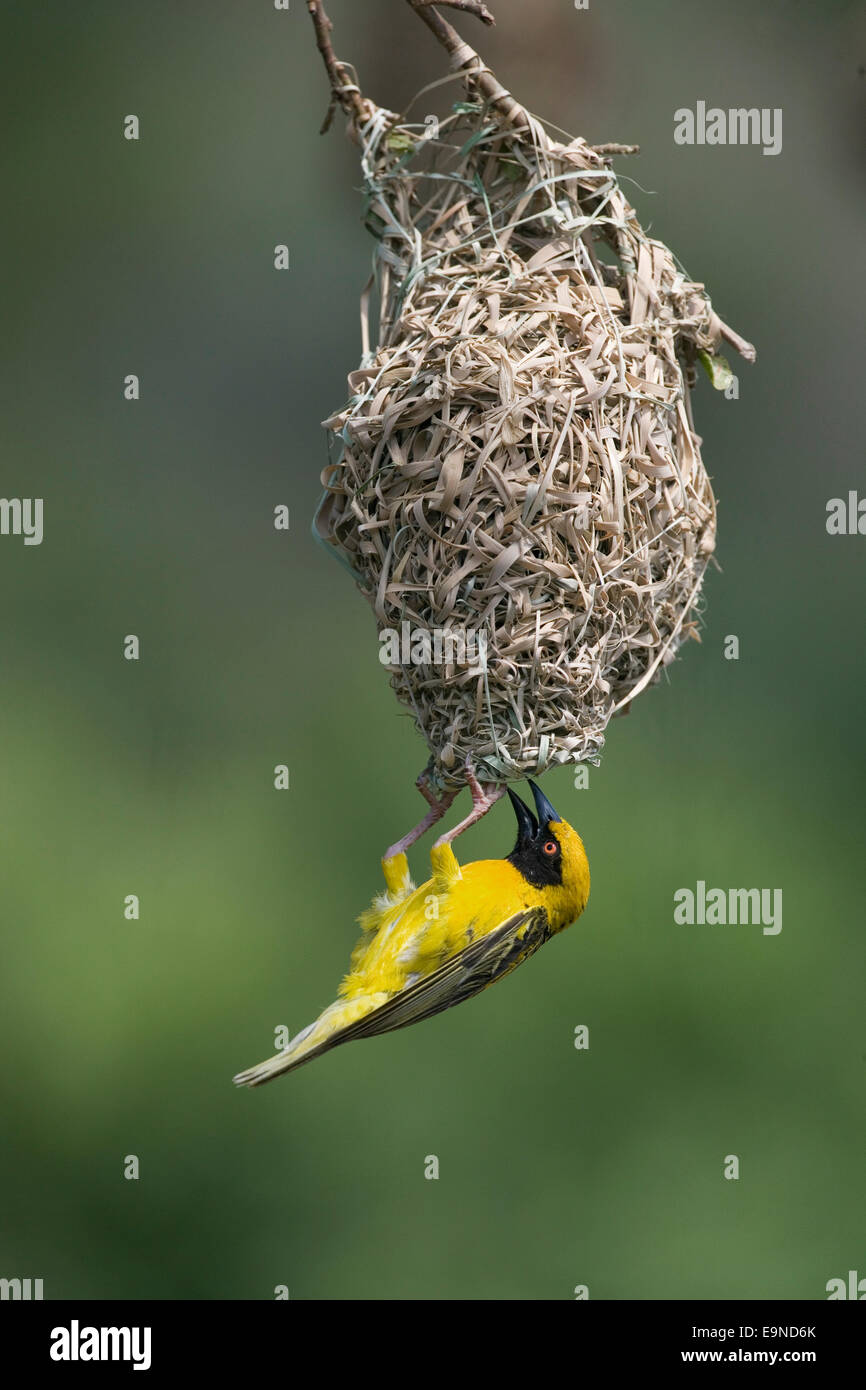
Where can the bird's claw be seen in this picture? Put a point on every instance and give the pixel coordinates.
(484, 795)
(438, 806)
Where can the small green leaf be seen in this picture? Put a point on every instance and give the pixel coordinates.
(718, 369)
(399, 141)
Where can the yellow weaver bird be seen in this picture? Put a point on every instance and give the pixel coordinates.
(425, 949)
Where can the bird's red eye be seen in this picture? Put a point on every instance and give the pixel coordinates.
(551, 847)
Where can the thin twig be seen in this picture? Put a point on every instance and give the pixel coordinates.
(467, 58)
(464, 57)
(343, 92)
(470, 6)
(746, 350)
(445, 32)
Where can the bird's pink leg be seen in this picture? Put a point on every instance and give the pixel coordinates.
(438, 807)
(483, 797)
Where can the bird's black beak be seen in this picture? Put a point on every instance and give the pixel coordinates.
(545, 811)
(527, 825)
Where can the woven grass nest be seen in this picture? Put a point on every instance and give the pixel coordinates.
(517, 464)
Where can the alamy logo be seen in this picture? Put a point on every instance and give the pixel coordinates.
(856, 1287)
(22, 1289)
(846, 517)
(22, 516)
(727, 907)
(75, 1343)
(432, 646)
(738, 126)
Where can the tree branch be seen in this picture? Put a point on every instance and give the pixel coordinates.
(344, 92)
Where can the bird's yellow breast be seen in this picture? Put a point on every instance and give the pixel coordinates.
(412, 931)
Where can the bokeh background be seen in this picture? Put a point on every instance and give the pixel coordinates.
(557, 1167)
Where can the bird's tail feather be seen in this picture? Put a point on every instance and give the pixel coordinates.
(328, 1031)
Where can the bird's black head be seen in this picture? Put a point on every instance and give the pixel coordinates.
(538, 853)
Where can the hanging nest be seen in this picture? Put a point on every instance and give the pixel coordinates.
(518, 487)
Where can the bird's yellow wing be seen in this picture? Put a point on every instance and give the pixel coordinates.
(465, 974)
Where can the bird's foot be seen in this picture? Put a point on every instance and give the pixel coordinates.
(484, 795)
(438, 806)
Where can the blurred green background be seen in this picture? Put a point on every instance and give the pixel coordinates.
(557, 1167)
